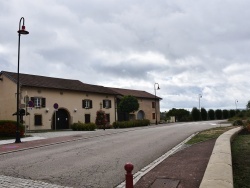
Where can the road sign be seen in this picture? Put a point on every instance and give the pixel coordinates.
(56, 106)
(31, 104)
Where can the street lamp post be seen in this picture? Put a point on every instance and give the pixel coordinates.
(155, 102)
(200, 96)
(236, 101)
(20, 32)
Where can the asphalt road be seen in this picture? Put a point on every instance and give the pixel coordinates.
(98, 161)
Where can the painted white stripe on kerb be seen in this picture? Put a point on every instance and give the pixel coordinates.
(138, 175)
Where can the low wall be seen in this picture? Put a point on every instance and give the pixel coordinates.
(219, 171)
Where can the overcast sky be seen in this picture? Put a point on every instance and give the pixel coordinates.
(189, 47)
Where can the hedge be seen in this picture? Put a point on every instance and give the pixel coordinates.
(8, 128)
(129, 124)
(83, 126)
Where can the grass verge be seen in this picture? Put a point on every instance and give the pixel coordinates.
(241, 161)
(208, 134)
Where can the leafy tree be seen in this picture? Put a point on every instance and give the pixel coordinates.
(128, 104)
(203, 114)
(180, 114)
(237, 111)
(100, 120)
(195, 114)
(163, 116)
(248, 105)
(241, 114)
(231, 113)
(211, 114)
(225, 114)
(218, 114)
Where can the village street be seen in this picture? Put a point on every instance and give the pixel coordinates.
(98, 160)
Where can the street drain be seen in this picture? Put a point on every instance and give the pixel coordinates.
(165, 183)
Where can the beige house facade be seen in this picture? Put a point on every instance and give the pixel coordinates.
(56, 103)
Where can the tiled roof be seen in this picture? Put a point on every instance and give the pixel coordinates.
(135, 93)
(56, 83)
(74, 85)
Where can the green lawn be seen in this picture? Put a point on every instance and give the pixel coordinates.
(209, 134)
(241, 161)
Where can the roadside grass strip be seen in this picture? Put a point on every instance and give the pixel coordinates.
(208, 134)
(241, 160)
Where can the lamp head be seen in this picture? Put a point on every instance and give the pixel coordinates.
(157, 87)
(23, 31)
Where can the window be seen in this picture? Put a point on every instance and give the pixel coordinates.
(153, 115)
(38, 120)
(39, 102)
(106, 103)
(86, 103)
(153, 104)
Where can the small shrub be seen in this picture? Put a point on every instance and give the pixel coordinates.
(238, 122)
(248, 128)
(83, 126)
(74, 126)
(100, 118)
(107, 126)
(8, 128)
(129, 124)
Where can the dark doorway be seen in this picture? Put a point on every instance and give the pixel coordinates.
(87, 118)
(62, 120)
(140, 114)
(108, 118)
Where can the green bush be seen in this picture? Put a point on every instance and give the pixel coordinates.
(100, 118)
(83, 126)
(238, 122)
(107, 126)
(129, 124)
(8, 128)
(246, 126)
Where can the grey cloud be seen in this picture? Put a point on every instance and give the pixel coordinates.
(195, 45)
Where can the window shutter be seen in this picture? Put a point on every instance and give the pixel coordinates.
(32, 99)
(153, 104)
(43, 102)
(103, 104)
(90, 103)
(153, 115)
(83, 104)
(109, 103)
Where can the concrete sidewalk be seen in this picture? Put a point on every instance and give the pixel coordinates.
(184, 169)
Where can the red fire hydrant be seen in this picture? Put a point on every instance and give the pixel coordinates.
(129, 176)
